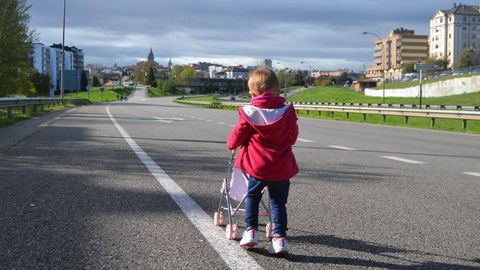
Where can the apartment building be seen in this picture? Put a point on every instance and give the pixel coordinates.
(454, 30)
(401, 46)
(48, 60)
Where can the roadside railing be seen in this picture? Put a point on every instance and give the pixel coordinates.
(378, 109)
(9, 104)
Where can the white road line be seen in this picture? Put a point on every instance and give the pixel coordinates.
(304, 140)
(209, 120)
(201, 118)
(163, 120)
(233, 255)
(403, 160)
(232, 125)
(71, 110)
(472, 173)
(221, 123)
(342, 147)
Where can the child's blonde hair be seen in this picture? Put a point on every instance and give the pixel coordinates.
(263, 80)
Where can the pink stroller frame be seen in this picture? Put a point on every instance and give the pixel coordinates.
(234, 194)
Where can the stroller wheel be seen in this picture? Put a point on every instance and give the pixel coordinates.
(231, 231)
(269, 230)
(218, 219)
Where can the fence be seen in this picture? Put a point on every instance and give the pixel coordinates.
(36, 103)
(374, 109)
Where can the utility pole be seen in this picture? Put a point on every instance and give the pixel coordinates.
(62, 73)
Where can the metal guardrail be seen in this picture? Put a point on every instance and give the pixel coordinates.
(462, 115)
(37, 103)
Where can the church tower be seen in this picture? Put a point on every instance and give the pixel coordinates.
(170, 64)
(151, 58)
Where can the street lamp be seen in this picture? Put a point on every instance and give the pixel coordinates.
(284, 75)
(383, 60)
(310, 77)
(62, 79)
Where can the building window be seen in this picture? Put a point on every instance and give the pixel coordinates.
(436, 46)
(449, 35)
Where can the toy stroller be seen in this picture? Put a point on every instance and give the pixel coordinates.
(234, 190)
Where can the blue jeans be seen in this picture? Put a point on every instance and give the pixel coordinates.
(278, 192)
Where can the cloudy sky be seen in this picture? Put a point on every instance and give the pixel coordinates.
(322, 34)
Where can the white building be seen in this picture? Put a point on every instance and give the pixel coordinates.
(236, 73)
(47, 60)
(452, 31)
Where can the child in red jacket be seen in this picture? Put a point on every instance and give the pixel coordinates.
(266, 130)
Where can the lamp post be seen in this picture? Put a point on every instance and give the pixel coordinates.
(62, 79)
(383, 61)
(310, 76)
(284, 75)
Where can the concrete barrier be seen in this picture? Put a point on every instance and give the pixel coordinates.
(451, 87)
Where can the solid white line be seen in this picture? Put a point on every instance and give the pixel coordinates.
(71, 110)
(342, 147)
(403, 160)
(304, 140)
(233, 255)
(472, 173)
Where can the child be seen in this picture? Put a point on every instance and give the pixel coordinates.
(266, 130)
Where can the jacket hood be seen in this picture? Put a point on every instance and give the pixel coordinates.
(268, 100)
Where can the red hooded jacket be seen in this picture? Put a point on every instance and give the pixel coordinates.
(267, 129)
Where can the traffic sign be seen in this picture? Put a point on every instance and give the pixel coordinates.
(424, 67)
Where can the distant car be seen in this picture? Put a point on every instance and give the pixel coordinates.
(231, 97)
(305, 86)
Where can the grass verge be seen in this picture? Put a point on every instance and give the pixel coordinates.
(19, 116)
(95, 95)
(345, 95)
(473, 127)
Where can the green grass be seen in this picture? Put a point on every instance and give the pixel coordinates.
(19, 116)
(95, 95)
(473, 127)
(346, 95)
(400, 85)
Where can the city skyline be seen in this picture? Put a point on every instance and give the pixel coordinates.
(322, 35)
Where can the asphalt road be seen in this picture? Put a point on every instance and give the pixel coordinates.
(82, 189)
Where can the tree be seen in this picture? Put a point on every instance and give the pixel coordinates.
(465, 59)
(408, 67)
(169, 86)
(41, 83)
(83, 81)
(151, 77)
(15, 48)
(187, 75)
(175, 72)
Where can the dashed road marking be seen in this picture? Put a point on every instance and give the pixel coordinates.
(231, 125)
(411, 161)
(472, 173)
(221, 123)
(304, 140)
(342, 147)
(209, 120)
(232, 254)
(71, 110)
(168, 120)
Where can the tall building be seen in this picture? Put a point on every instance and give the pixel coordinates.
(151, 57)
(48, 60)
(454, 30)
(266, 63)
(401, 46)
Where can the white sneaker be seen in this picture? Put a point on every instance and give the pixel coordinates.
(249, 239)
(278, 246)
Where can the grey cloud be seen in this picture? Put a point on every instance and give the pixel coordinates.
(123, 31)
